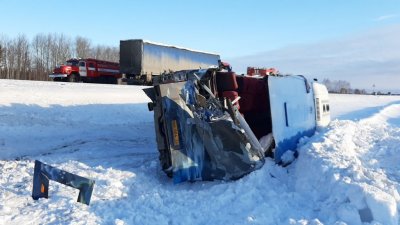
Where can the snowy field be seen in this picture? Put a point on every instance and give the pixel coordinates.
(348, 173)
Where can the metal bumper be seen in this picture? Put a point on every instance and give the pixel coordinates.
(58, 75)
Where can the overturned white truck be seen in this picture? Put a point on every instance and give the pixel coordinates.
(213, 124)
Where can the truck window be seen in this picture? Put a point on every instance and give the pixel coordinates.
(82, 64)
(72, 63)
(91, 65)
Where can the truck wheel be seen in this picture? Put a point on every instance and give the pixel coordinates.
(114, 80)
(72, 78)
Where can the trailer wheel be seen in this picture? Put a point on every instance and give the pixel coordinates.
(114, 80)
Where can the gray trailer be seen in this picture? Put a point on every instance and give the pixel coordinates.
(140, 60)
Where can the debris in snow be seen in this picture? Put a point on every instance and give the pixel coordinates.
(266, 142)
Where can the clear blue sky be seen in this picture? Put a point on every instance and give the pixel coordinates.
(231, 28)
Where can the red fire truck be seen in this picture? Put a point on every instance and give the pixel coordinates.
(253, 71)
(87, 70)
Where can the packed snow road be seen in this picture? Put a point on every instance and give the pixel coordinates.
(348, 173)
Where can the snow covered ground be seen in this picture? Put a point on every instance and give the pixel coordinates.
(348, 173)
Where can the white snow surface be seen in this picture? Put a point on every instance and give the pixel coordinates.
(347, 173)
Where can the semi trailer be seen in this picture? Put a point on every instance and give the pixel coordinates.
(141, 60)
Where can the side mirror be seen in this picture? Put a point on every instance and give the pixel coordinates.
(150, 106)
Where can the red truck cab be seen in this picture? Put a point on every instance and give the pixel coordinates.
(261, 71)
(64, 72)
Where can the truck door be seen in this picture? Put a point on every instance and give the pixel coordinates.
(82, 69)
(91, 69)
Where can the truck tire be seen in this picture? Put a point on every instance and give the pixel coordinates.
(108, 80)
(72, 78)
(113, 80)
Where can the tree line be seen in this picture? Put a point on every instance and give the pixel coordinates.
(22, 58)
(341, 87)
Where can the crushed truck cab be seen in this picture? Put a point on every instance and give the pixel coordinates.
(213, 124)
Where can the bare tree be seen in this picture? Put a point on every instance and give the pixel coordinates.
(22, 57)
(105, 53)
(337, 86)
(97, 52)
(1, 59)
(35, 59)
(10, 60)
(1, 53)
(17, 61)
(112, 54)
(48, 54)
(39, 56)
(65, 48)
(61, 49)
(2, 64)
(82, 47)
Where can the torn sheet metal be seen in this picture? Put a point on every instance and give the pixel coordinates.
(44, 173)
(204, 140)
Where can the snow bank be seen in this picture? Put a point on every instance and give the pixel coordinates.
(351, 176)
(345, 174)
